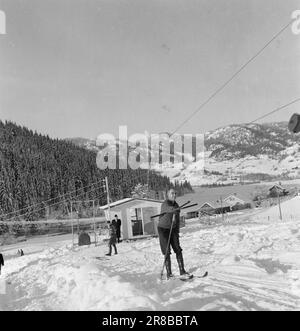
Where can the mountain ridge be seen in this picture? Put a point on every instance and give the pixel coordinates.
(267, 150)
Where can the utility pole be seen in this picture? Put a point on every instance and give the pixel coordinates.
(72, 224)
(108, 199)
(77, 223)
(94, 223)
(221, 199)
(149, 166)
(148, 179)
(279, 204)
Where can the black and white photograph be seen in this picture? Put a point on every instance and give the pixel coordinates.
(149, 157)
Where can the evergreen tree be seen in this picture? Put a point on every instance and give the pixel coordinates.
(46, 174)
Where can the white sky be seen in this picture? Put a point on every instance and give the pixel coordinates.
(83, 67)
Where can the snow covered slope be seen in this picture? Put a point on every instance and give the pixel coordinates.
(255, 151)
(253, 264)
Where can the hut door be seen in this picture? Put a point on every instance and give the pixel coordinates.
(149, 224)
(136, 221)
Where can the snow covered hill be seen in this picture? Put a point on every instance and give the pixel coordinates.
(246, 152)
(253, 264)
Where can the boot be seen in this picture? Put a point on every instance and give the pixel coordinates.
(109, 253)
(180, 262)
(116, 252)
(183, 274)
(168, 267)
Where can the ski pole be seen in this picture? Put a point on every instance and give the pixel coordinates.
(167, 251)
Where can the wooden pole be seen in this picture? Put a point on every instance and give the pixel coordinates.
(149, 166)
(77, 224)
(72, 224)
(221, 199)
(279, 205)
(108, 198)
(94, 222)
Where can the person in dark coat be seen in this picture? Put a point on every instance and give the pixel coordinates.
(118, 228)
(1, 262)
(167, 221)
(113, 237)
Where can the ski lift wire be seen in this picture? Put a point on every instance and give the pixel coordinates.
(51, 205)
(232, 77)
(66, 194)
(275, 111)
(264, 116)
(48, 200)
(66, 200)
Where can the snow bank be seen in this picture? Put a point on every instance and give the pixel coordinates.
(71, 283)
(290, 211)
(252, 265)
(16, 264)
(88, 288)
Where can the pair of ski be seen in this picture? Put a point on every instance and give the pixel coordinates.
(184, 206)
(185, 278)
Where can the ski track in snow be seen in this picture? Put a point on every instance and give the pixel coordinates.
(252, 266)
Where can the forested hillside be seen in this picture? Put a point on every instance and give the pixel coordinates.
(38, 172)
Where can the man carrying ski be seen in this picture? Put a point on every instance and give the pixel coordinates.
(168, 231)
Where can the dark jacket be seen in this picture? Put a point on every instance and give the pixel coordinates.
(113, 233)
(119, 224)
(118, 227)
(1, 260)
(165, 221)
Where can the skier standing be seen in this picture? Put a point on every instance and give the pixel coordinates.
(168, 227)
(113, 237)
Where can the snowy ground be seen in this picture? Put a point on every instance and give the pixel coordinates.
(253, 264)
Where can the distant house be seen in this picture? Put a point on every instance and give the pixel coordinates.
(203, 213)
(233, 200)
(207, 207)
(135, 214)
(222, 207)
(277, 189)
(217, 207)
(189, 213)
(195, 212)
(210, 208)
